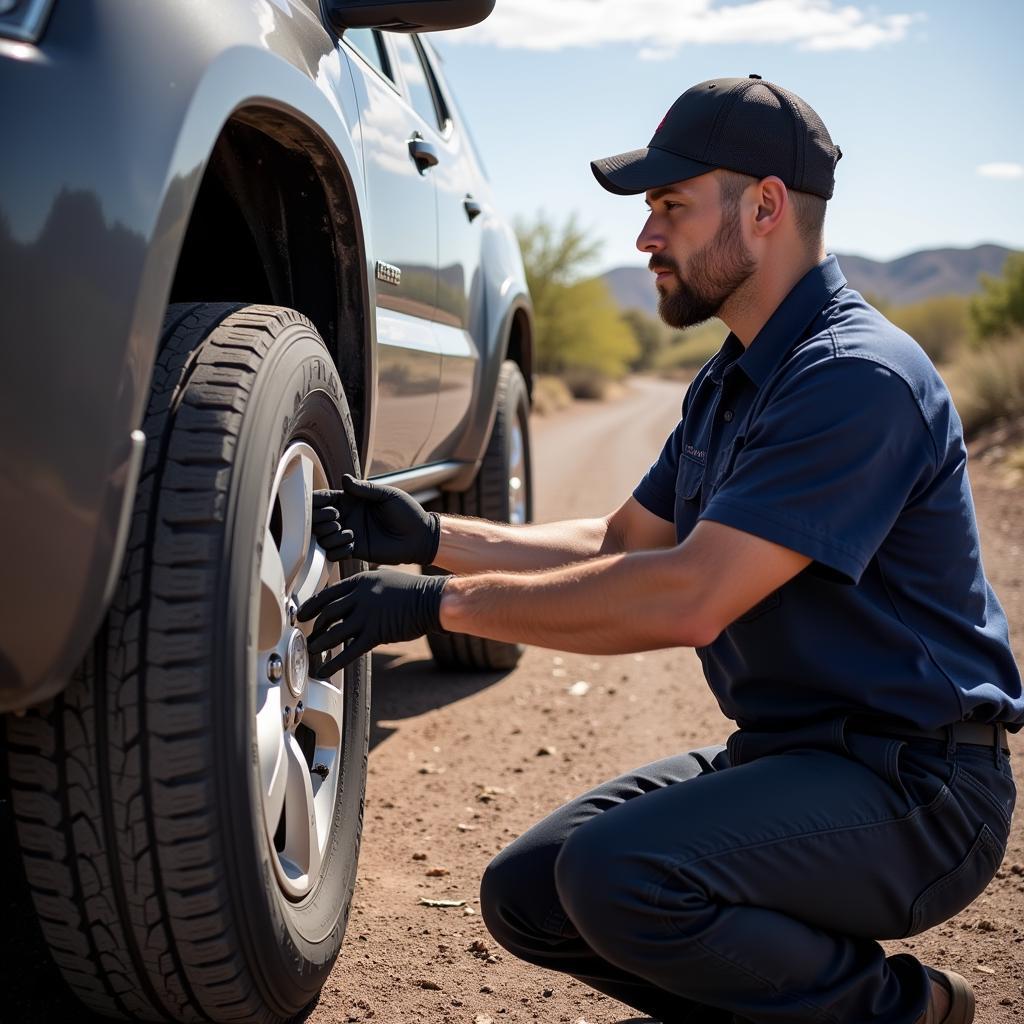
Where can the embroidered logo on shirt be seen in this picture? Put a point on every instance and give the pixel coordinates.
(699, 454)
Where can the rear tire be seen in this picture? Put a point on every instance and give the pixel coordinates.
(140, 794)
(493, 496)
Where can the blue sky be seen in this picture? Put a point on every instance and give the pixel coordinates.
(919, 96)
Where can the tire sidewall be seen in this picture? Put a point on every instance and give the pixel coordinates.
(297, 395)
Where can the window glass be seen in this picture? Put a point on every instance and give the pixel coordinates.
(416, 82)
(371, 46)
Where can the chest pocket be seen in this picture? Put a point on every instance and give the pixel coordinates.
(689, 478)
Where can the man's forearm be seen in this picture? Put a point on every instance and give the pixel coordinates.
(477, 545)
(611, 605)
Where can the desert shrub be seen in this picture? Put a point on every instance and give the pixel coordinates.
(987, 384)
(939, 325)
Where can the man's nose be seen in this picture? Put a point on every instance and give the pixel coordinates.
(649, 240)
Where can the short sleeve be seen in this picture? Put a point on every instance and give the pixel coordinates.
(657, 490)
(829, 464)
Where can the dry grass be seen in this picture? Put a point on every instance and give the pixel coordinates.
(988, 384)
(549, 395)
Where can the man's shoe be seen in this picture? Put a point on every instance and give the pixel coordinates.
(961, 999)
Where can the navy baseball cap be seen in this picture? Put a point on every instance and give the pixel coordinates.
(741, 124)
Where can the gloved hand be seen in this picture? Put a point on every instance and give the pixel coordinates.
(388, 526)
(368, 609)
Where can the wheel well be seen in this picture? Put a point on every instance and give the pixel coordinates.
(274, 222)
(520, 347)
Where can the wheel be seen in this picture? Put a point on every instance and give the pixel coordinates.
(502, 490)
(189, 810)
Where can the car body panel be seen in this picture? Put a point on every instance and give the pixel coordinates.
(93, 213)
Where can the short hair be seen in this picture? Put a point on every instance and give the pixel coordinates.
(808, 209)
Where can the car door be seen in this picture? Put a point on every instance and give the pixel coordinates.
(402, 231)
(462, 211)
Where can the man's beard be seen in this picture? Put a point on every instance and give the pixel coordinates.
(713, 274)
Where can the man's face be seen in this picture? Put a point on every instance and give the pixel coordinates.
(696, 244)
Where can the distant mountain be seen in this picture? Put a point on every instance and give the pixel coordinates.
(920, 275)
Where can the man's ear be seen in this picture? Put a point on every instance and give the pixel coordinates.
(772, 200)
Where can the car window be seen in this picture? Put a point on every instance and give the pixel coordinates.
(417, 84)
(371, 46)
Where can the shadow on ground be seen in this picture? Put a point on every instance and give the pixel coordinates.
(407, 687)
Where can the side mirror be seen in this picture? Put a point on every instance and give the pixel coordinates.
(407, 15)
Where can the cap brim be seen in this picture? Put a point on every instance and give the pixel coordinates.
(629, 174)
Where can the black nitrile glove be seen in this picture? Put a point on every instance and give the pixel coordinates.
(389, 527)
(370, 608)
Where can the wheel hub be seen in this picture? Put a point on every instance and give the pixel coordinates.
(297, 662)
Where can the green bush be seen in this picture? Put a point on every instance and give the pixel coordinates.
(938, 325)
(988, 384)
(999, 307)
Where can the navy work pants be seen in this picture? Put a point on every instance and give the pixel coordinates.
(750, 882)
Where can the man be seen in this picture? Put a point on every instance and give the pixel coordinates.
(809, 529)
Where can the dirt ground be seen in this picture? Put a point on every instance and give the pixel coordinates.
(460, 765)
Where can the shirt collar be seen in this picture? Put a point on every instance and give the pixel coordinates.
(786, 325)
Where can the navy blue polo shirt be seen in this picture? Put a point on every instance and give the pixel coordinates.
(832, 434)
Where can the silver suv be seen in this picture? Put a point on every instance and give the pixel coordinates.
(245, 247)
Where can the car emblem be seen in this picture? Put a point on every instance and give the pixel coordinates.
(388, 274)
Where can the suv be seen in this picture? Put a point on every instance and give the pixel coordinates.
(245, 247)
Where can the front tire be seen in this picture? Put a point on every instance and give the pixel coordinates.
(503, 491)
(189, 830)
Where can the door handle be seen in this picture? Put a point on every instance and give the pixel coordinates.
(424, 155)
(472, 207)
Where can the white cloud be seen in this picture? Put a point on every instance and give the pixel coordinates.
(659, 28)
(1005, 171)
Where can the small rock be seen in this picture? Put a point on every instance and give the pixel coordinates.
(482, 1018)
(432, 986)
(437, 872)
(468, 911)
(419, 856)
(579, 689)
(1006, 1001)
(546, 752)
(984, 925)
(486, 989)
(548, 993)
(984, 969)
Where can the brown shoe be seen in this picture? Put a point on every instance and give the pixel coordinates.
(961, 999)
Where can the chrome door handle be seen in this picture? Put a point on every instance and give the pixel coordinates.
(423, 153)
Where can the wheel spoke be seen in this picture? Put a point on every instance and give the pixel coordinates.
(301, 846)
(270, 747)
(313, 576)
(295, 495)
(324, 711)
(272, 595)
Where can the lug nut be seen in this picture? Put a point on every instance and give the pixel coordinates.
(292, 609)
(286, 714)
(275, 668)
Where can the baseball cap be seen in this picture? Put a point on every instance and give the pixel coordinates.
(742, 124)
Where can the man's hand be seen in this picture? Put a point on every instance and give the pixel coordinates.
(374, 523)
(368, 609)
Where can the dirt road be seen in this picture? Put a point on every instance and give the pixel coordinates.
(460, 765)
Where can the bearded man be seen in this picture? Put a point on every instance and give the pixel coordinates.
(808, 529)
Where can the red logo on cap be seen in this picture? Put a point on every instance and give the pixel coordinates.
(662, 122)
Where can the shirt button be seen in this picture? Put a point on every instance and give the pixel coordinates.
(727, 415)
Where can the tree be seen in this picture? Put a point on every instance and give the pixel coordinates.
(651, 337)
(999, 307)
(578, 328)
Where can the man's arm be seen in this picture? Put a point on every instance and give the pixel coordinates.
(682, 596)
(471, 546)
